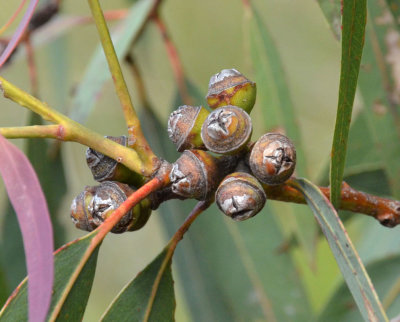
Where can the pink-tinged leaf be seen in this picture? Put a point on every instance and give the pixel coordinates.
(27, 198)
(19, 32)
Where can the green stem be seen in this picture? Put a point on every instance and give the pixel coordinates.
(137, 140)
(69, 130)
(35, 131)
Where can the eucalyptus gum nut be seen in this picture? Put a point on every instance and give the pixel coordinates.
(230, 87)
(273, 158)
(240, 196)
(184, 127)
(105, 168)
(227, 130)
(194, 175)
(94, 205)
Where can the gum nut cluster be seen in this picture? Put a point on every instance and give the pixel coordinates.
(218, 157)
(96, 203)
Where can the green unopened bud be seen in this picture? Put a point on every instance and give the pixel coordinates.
(230, 87)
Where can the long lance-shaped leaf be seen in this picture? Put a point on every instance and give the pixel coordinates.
(349, 262)
(354, 20)
(97, 72)
(27, 198)
(278, 109)
(382, 272)
(70, 303)
(137, 297)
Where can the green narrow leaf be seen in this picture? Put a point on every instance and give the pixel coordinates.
(73, 302)
(275, 100)
(136, 299)
(354, 20)
(97, 72)
(376, 82)
(331, 10)
(341, 306)
(345, 254)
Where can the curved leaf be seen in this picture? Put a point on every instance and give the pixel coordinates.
(27, 198)
(97, 72)
(341, 305)
(345, 254)
(71, 303)
(136, 302)
(19, 32)
(354, 21)
(50, 171)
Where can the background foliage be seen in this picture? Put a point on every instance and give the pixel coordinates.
(223, 270)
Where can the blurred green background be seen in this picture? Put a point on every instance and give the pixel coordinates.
(210, 36)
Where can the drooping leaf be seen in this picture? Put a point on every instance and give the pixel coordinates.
(275, 100)
(137, 302)
(266, 283)
(97, 72)
(354, 21)
(50, 171)
(383, 272)
(345, 254)
(27, 198)
(69, 302)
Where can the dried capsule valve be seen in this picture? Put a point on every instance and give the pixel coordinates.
(184, 127)
(240, 196)
(273, 158)
(226, 130)
(230, 87)
(194, 175)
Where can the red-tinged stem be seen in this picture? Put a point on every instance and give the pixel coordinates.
(197, 210)
(104, 229)
(174, 60)
(386, 211)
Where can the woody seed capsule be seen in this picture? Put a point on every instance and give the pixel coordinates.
(95, 204)
(240, 196)
(273, 158)
(194, 175)
(226, 130)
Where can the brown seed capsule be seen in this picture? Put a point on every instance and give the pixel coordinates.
(106, 169)
(194, 175)
(230, 87)
(91, 207)
(184, 127)
(273, 158)
(240, 196)
(226, 130)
